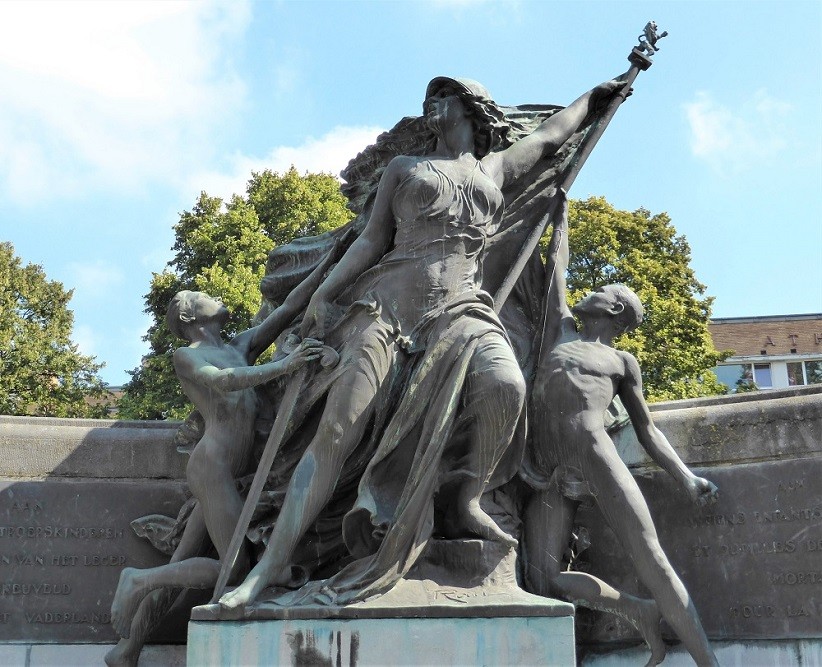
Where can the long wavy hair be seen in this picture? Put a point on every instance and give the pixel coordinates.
(491, 128)
(494, 129)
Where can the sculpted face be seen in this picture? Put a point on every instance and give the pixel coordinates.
(597, 302)
(206, 307)
(444, 109)
(616, 301)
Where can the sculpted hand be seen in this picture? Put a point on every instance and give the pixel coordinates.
(308, 350)
(316, 316)
(608, 88)
(701, 490)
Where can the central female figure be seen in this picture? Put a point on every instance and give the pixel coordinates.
(412, 279)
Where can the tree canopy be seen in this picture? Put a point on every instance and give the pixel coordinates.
(643, 251)
(41, 371)
(221, 248)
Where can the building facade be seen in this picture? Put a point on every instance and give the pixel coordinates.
(772, 352)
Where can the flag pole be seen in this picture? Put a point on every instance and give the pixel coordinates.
(639, 62)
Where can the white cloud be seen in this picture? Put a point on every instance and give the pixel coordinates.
(744, 137)
(94, 279)
(330, 153)
(115, 94)
(85, 339)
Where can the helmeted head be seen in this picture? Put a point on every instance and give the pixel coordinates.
(187, 307)
(616, 301)
(487, 118)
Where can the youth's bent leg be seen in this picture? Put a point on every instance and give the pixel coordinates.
(626, 511)
(548, 522)
(151, 610)
(135, 585)
(193, 542)
(211, 470)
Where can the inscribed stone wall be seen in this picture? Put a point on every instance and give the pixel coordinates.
(69, 490)
(753, 561)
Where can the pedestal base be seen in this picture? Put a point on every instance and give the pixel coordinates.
(418, 622)
(459, 605)
(384, 641)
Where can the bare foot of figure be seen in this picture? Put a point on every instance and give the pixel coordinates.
(123, 655)
(129, 595)
(245, 593)
(648, 626)
(470, 520)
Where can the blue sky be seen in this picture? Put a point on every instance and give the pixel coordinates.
(113, 117)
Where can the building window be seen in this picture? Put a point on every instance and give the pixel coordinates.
(813, 372)
(796, 375)
(762, 376)
(737, 377)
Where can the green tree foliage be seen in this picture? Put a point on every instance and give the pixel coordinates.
(644, 252)
(41, 372)
(221, 249)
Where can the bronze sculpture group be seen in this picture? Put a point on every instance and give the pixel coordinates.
(396, 444)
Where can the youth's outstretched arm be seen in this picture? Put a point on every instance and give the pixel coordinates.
(188, 364)
(653, 440)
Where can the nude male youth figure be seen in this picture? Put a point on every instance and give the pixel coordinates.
(579, 375)
(219, 379)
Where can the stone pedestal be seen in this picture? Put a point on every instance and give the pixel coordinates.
(460, 631)
(459, 605)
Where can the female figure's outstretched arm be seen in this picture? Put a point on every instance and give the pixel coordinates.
(515, 161)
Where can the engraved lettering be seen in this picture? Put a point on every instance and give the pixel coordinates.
(791, 486)
(717, 520)
(104, 560)
(27, 506)
(81, 532)
(753, 611)
(795, 578)
(63, 560)
(795, 611)
(27, 559)
(35, 589)
(758, 548)
(68, 617)
(792, 514)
